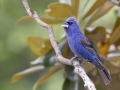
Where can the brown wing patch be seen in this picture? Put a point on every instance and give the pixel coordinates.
(89, 48)
(84, 41)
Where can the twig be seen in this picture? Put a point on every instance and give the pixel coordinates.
(78, 69)
(115, 2)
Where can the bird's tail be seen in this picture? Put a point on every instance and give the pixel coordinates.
(105, 75)
(103, 71)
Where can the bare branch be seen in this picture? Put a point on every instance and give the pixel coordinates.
(78, 69)
(115, 2)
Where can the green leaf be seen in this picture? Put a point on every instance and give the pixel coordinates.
(46, 61)
(70, 74)
(39, 45)
(95, 6)
(49, 58)
(59, 10)
(75, 6)
(71, 85)
(67, 85)
(116, 35)
(17, 76)
(46, 20)
(99, 13)
(45, 77)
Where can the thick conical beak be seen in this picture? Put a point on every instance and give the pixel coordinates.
(65, 25)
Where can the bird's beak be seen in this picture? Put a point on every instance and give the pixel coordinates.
(65, 25)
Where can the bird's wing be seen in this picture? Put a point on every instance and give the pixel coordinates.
(87, 44)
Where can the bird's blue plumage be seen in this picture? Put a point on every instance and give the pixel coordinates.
(82, 47)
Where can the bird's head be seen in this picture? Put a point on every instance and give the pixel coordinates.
(70, 25)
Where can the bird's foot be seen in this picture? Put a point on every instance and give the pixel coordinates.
(78, 59)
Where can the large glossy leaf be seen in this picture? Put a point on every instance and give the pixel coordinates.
(116, 35)
(71, 85)
(98, 34)
(45, 77)
(49, 58)
(59, 10)
(75, 6)
(95, 6)
(100, 12)
(46, 20)
(70, 74)
(17, 76)
(47, 62)
(68, 85)
(39, 45)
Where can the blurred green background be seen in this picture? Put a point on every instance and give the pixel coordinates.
(15, 53)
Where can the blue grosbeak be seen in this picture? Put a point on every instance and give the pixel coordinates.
(82, 47)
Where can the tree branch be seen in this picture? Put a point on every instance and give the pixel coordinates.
(78, 69)
(115, 2)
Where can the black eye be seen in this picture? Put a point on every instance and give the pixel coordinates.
(69, 23)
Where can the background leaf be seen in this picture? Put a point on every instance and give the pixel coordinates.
(95, 6)
(103, 46)
(39, 45)
(75, 6)
(68, 85)
(59, 10)
(39, 60)
(46, 20)
(70, 74)
(45, 77)
(100, 12)
(17, 76)
(116, 35)
(49, 58)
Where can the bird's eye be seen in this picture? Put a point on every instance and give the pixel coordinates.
(69, 23)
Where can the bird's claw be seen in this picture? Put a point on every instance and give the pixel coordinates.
(77, 59)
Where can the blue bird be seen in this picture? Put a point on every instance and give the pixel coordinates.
(82, 47)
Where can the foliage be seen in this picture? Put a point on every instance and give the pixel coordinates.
(57, 12)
